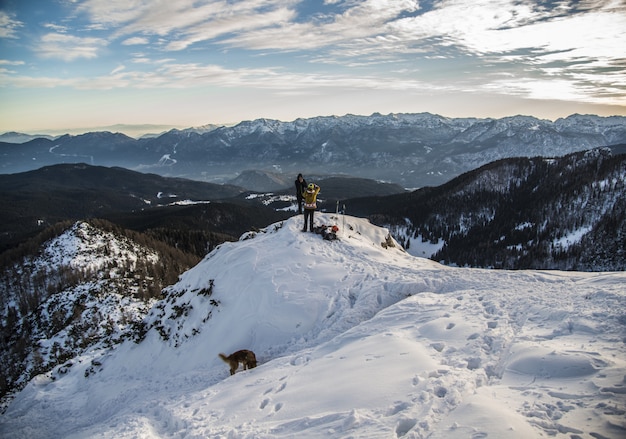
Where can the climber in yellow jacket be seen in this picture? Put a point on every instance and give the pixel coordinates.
(310, 204)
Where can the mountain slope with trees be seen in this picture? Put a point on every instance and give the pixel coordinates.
(546, 213)
(77, 286)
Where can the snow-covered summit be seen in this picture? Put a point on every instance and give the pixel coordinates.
(287, 289)
(356, 338)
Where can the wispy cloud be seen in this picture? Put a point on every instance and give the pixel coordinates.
(182, 20)
(69, 47)
(169, 74)
(9, 25)
(361, 28)
(56, 28)
(136, 41)
(354, 26)
(4, 62)
(228, 24)
(117, 70)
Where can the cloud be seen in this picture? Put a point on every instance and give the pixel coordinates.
(117, 70)
(141, 59)
(227, 24)
(250, 24)
(114, 12)
(504, 46)
(178, 18)
(8, 25)
(168, 74)
(56, 28)
(68, 47)
(34, 82)
(5, 62)
(353, 27)
(135, 41)
(369, 28)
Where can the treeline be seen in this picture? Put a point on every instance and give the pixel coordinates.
(192, 242)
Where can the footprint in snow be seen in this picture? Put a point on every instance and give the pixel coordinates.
(397, 408)
(404, 426)
(438, 346)
(441, 391)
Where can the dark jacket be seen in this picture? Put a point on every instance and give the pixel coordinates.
(300, 188)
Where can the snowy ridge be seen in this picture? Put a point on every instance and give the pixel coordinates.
(355, 339)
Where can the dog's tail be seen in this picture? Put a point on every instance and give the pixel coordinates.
(224, 358)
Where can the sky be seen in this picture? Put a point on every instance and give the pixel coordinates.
(353, 340)
(77, 64)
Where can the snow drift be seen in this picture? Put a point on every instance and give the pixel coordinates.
(355, 338)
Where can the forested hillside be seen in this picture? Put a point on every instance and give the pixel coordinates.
(547, 213)
(76, 287)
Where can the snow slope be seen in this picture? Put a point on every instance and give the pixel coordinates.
(354, 339)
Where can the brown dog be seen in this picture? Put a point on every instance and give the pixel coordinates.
(244, 356)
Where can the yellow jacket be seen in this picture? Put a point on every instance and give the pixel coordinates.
(310, 197)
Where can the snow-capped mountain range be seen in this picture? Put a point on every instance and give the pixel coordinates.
(355, 338)
(413, 150)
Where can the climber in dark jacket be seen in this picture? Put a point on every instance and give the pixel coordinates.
(300, 188)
